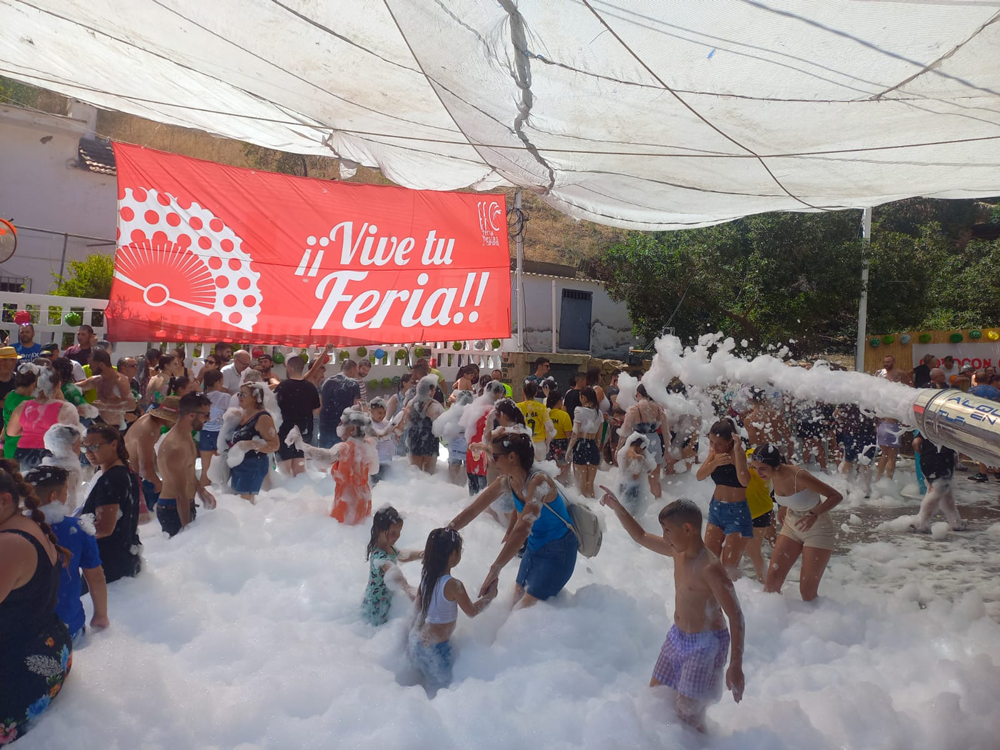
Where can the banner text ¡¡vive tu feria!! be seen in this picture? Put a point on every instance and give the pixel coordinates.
(208, 251)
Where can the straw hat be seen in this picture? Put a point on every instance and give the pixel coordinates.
(168, 410)
(8, 352)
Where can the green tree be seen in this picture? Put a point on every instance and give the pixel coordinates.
(772, 278)
(90, 277)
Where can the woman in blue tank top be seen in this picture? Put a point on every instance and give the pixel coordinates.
(541, 524)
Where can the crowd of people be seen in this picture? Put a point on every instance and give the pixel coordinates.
(94, 450)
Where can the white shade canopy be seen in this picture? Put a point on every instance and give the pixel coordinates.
(662, 114)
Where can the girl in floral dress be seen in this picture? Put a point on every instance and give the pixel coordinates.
(384, 576)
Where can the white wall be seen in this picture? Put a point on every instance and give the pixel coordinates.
(39, 187)
(610, 326)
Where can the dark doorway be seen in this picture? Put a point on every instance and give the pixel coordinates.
(574, 320)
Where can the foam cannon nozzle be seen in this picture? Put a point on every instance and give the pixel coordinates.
(964, 423)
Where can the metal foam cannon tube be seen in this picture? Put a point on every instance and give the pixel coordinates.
(964, 423)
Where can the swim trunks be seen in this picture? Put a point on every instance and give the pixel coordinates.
(692, 663)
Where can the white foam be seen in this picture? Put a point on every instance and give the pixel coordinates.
(244, 631)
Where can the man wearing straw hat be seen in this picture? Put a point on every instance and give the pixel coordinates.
(140, 441)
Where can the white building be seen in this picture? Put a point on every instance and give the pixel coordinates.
(57, 185)
(567, 313)
(60, 190)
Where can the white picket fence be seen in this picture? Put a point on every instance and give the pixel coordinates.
(48, 315)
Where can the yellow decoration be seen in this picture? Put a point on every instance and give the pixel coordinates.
(993, 335)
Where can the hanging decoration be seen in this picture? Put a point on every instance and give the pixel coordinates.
(993, 335)
(278, 357)
(874, 342)
(925, 338)
(888, 339)
(975, 334)
(380, 354)
(22, 317)
(362, 352)
(955, 337)
(904, 339)
(495, 343)
(73, 319)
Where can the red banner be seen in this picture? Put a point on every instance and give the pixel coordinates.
(208, 252)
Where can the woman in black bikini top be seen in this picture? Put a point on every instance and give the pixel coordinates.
(730, 525)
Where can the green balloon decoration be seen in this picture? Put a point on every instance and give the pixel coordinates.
(396, 380)
(279, 358)
(419, 352)
(955, 338)
(888, 339)
(495, 343)
(197, 351)
(904, 339)
(400, 354)
(373, 384)
(362, 352)
(457, 346)
(386, 382)
(305, 355)
(875, 341)
(975, 334)
(344, 355)
(73, 319)
(925, 338)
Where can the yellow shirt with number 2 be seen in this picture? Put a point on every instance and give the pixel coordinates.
(535, 415)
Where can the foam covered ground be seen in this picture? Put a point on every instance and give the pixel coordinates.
(245, 632)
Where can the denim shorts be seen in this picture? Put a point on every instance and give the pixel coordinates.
(433, 661)
(858, 448)
(247, 478)
(208, 440)
(546, 570)
(586, 453)
(732, 518)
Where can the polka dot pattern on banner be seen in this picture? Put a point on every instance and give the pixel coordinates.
(179, 251)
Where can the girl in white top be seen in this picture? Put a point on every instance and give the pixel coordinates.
(806, 526)
(439, 598)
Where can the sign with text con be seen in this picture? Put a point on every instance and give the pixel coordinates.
(210, 252)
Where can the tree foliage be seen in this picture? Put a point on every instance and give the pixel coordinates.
(776, 277)
(90, 277)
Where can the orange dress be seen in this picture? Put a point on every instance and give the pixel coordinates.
(352, 499)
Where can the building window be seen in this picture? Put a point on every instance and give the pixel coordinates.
(574, 319)
(15, 284)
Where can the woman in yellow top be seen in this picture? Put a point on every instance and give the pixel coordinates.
(762, 511)
(536, 417)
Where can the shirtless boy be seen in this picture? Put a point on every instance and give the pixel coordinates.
(140, 441)
(693, 657)
(175, 508)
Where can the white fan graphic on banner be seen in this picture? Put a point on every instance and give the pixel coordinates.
(186, 257)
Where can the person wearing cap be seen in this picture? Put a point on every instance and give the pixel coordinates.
(8, 363)
(26, 347)
(264, 365)
(140, 441)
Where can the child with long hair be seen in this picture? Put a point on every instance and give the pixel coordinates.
(439, 598)
(384, 575)
(583, 444)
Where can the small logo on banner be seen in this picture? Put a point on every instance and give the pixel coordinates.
(186, 257)
(490, 222)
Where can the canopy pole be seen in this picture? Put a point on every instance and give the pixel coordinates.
(520, 268)
(866, 234)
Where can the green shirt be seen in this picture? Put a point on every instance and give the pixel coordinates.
(13, 400)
